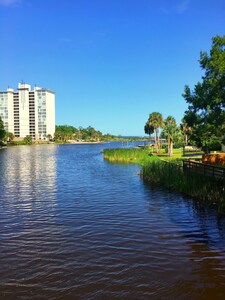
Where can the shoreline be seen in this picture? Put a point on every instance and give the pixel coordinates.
(51, 143)
(82, 143)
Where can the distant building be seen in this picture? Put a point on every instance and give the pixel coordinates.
(28, 112)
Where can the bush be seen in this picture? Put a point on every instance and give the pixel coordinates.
(172, 176)
(178, 145)
(27, 140)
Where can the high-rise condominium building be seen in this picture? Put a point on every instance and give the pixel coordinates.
(28, 112)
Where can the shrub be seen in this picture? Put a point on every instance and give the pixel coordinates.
(27, 140)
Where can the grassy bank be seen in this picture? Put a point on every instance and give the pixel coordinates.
(172, 176)
(19, 143)
(168, 172)
(129, 155)
(138, 155)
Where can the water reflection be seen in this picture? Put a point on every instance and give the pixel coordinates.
(27, 187)
(202, 230)
(28, 174)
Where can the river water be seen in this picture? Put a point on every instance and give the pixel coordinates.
(73, 226)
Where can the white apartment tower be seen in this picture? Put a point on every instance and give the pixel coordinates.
(28, 112)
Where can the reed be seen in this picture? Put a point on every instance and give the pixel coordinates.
(172, 176)
(129, 155)
(168, 172)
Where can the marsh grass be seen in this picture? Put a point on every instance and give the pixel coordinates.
(168, 172)
(140, 155)
(129, 155)
(172, 176)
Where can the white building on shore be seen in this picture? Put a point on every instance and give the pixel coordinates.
(28, 112)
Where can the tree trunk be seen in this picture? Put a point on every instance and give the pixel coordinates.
(186, 139)
(155, 140)
(170, 147)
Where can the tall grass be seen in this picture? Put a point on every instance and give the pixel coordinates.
(171, 175)
(130, 155)
(168, 172)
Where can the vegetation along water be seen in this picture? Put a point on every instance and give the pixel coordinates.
(169, 172)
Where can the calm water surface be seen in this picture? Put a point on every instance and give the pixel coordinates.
(73, 226)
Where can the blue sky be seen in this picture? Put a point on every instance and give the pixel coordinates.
(110, 62)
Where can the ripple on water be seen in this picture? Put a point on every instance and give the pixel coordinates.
(74, 225)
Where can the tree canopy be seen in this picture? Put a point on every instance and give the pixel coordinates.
(154, 122)
(171, 132)
(67, 132)
(206, 103)
(27, 140)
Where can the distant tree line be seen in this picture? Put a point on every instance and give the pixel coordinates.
(66, 132)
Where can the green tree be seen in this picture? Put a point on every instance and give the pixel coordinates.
(170, 132)
(9, 136)
(206, 103)
(108, 137)
(99, 135)
(92, 133)
(27, 140)
(2, 130)
(148, 129)
(83, 134)
(154, 123)
(65, 132)
(49, 136)
(186, 131)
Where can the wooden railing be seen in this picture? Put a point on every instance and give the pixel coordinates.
(205, 169)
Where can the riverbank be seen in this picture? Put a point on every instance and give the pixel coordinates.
(129, 155)
(139, 155)
(19, 143)
(168, 172)
(205, 188)
(83, 142)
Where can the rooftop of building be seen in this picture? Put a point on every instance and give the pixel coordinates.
(27, 87)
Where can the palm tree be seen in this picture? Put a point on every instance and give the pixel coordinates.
(155, 121)
(169, 132)
(186, 130)
(148, 130)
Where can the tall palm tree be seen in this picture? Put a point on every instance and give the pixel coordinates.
(155, 121)
(186, 130)
(169, 132)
